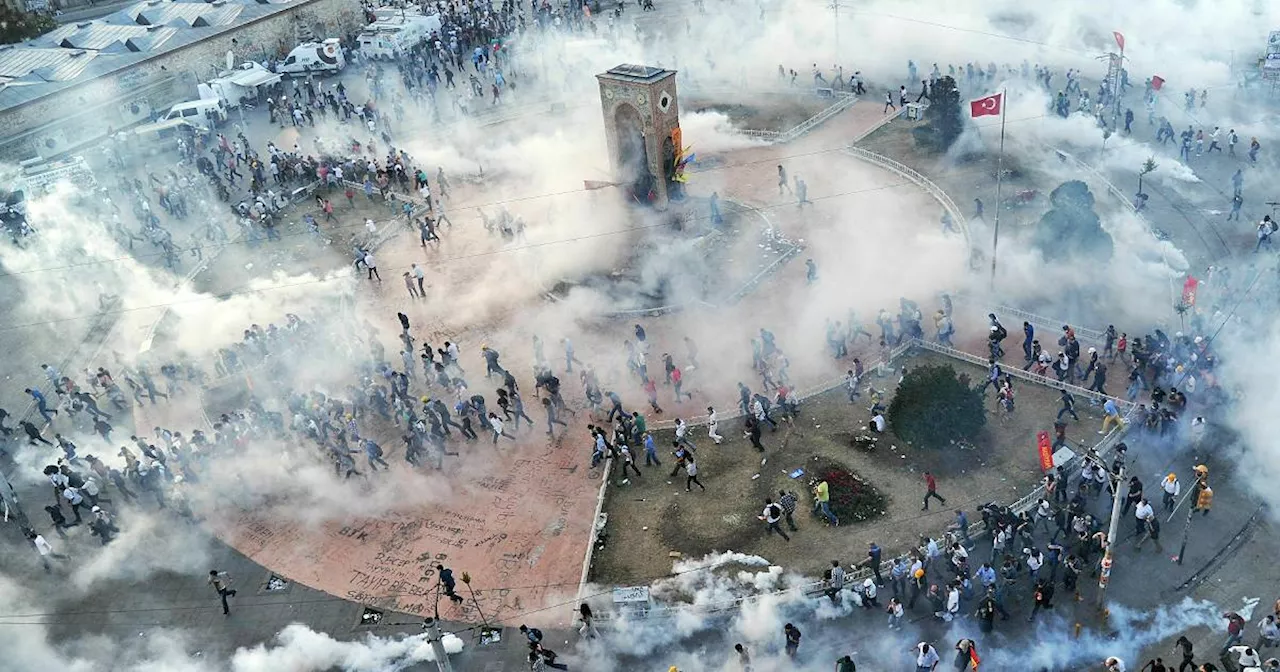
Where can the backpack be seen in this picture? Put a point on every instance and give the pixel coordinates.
(1001, 332)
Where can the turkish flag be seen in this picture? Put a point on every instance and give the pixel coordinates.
(989, 106)
(1156, 82)
(1119, 39)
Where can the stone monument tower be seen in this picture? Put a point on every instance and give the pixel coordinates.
(642, 130)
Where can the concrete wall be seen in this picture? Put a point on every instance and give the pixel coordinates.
(87, 112)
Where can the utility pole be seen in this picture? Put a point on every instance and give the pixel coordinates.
(436, 639)
(835, 13)
(1202, 482)
(1108, 556)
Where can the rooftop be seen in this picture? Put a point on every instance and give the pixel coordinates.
(78, 52)
(636, 73)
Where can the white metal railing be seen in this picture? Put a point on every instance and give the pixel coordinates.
(843, 102)
(920, 181)
(1086, 334)
(814, 390)
(1016, 372)
(1096, 174)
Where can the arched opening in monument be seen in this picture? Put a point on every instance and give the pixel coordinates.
(675, 190)
(633, 157)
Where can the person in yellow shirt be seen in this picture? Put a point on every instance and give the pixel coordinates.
(822, 502)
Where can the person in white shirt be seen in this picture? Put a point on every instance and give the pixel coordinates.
(1171, 489)
(498, 430)
(896, 610)
(1113, 664)
(1268, 632)
(953, 604)
(682, 435)
(713, 425)
(1141, 513)
(372, 265)
(927, 657)
(771, 516)
(420, 276)
(46, 550)
(878, 423)
(1248, 657)
(1035, 560)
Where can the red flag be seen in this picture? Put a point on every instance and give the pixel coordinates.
(973, 656)
(989, 106)
(1045, 449)
(1189, 291)
(1156, 82)
(1119, 39)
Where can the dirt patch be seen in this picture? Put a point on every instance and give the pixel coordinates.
(298, 251)
(652, 515)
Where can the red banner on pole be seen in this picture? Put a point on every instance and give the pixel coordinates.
(1045, 448)
(1189, 291)
(1119, 39)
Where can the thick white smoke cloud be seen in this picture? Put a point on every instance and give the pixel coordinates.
(702, 587)
(298, 648)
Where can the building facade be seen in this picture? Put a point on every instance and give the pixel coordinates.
(82, 82)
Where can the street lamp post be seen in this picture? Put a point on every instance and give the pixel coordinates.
(436, 638)
(1113, 531)
(835, 22)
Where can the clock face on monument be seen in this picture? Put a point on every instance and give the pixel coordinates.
(642, 99)
(608, 94)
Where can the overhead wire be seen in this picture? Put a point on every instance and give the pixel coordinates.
(240, 291)
(478, 206)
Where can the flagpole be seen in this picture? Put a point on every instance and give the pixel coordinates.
(995, 240)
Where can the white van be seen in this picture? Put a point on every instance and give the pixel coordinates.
(387, 40)
(209, 111)
(163, 135)
(313, 57)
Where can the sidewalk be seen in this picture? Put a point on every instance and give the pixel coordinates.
(125, 609)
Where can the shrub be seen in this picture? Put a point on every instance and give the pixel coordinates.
(934, 407)
(852, 498)
(17, 25)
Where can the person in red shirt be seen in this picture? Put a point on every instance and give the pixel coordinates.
(1235, 631)
(1122, 346)
(677, 378)
(651, 390)
(931, 485)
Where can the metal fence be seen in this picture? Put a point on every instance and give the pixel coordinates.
(1014, 371)
(919, 180)
(843, 102)
(1052, 324)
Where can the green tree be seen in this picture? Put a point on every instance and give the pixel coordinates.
(944, 118)
(934, 407)
(17, 25)
(1071, 228)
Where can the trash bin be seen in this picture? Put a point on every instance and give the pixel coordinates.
(915, 111)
